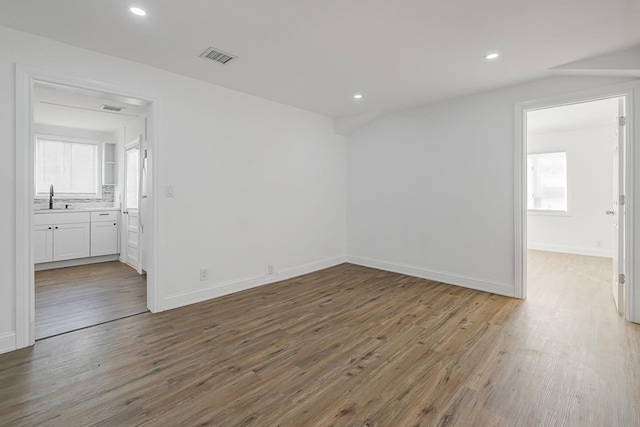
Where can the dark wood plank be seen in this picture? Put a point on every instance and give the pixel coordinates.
(346, 346)
(76, 297)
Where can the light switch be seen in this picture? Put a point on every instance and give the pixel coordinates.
(170, 191)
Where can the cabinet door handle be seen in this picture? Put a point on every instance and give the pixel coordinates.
(103, 214)
(115, 223)
(56, 228)
(49, 228)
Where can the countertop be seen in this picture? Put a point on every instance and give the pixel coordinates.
(45, 211)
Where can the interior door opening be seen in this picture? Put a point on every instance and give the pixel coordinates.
(83, 275)
(575, 159)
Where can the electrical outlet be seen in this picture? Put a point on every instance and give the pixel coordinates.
(204, 274)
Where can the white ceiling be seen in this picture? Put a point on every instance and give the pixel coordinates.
(316, 54)
(64, 106)
(575, 116)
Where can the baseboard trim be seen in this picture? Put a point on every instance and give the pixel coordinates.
(8, 342)
(438, 276)
(233, 286)
(75, 262)
(570, 250)
(300, 270)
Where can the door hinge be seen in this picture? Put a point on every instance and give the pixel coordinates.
(622, 121)
(621, 278)
(621, 200)
(146, 132)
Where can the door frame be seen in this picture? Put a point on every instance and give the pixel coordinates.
(24, 181)
(631, 91)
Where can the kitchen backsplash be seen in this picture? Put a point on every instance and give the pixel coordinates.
(106, 201)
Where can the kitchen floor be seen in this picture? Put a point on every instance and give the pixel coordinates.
(73, 298)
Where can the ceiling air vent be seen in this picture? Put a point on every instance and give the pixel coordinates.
(111, 108)
(217, 55)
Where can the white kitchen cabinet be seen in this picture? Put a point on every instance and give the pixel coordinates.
(69, 235)
(104, 238)
(42, 243)
(59, 236)
(71, 241)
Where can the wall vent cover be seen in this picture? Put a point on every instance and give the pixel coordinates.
(217, 55)
(111, 108)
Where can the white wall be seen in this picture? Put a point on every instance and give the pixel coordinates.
(586, 230)
(431, 190)
(256, 182)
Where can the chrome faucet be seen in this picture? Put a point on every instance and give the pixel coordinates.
(51, 197)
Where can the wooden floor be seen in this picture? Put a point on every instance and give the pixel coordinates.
(347, 346)
(76, 297)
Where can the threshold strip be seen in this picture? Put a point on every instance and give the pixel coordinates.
(91, 326)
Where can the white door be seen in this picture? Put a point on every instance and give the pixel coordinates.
(618, 212)
(131, 215)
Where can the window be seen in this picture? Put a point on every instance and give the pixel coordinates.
(132, 159)
(70, 166)
(547, 182)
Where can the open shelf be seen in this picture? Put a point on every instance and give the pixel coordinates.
(109, 167)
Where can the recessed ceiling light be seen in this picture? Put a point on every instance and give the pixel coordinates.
(491, 56)
(137, 11)
(357, 96)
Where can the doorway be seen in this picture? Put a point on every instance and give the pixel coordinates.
(72, 298)
(80, 194)
(574, 188)
(107, 160)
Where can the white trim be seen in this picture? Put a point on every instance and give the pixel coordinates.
(438, 276)
(134, 143)
(520, 204)
(24, 290)
(7, 342)
(154, 153)
(218, 290)
(230, 287)
(24, 283)
(570, 250)
(632, 248)
(631, 91)
(289, 273)
(75, 262)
